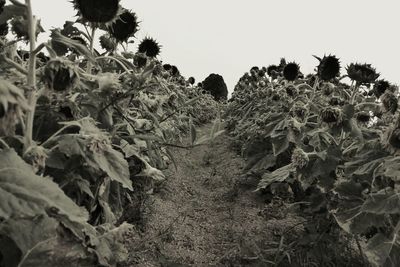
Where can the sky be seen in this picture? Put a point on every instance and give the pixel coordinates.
(228, 37)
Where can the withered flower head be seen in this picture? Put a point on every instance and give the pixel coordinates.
(362, 73)
(389, 102)
(299, 111)
(291, 71)
(150, 47)
(97, 11)
(331, 115)
(60, 75)
(363, 116)
(108, 43)
(391, 139)
(125, 26)
(19, 26)
(140, 60)
(12, 105)
(328, 68)
(36, 156)
(380, 87)
(175, 71)
(300, 158)
(167, 67)
(191, 80)
(335, 101)
(291, 91)
(273, 71)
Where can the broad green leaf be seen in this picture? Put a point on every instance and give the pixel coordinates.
(105, 159)
(278, 175)
(280, 143)
(382, 251)
(57, 37)
(384, 202)
(30, 235)
(23, 193)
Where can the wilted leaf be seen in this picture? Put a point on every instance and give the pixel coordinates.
(23, 193)
(384, 202)
(105, 159)
(382, 251)
(278, 175)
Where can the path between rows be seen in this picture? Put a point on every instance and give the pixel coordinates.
(204, 215)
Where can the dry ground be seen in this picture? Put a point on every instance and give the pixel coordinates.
(205, 214)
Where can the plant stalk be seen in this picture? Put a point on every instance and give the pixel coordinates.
(92, 35)
(32, 98)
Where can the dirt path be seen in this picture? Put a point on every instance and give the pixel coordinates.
(204, 215)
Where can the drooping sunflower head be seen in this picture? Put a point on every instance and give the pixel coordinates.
(150, 47)
(19, 26)
(60, 75)
(167, 67)
(300, 158)
(363, 116)
(389, 102)
(291, 90)
(140, 60)
(291, 71)
(327, 88)
(175, 71)
(107, 42)
(125, 26)
(97, 11)
(191, 80)
(12, 104)
(299, 111)
(362, 73)
(380, 87)
(273, 71)
(328, 68)
(282, 64)
(261, 72)
(336, 101)
(331, 115)
(391, 139)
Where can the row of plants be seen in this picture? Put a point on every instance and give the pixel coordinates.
(79, 130)
(333, 146)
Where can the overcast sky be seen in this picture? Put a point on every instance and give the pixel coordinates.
(228, 37)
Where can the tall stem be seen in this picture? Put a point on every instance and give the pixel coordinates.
(31, 75)
(354, 87)
(92, 35)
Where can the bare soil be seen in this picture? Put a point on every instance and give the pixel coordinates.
(207, 214)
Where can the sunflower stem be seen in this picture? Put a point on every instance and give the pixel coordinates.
(31, 76)
(355, 88)
(92, 35)
(316, 82)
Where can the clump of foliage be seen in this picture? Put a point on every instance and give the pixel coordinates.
(80, 131)
(215, 84)
(335, 145)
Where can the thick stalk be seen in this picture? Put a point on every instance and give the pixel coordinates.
(31, 75)
(89, 65)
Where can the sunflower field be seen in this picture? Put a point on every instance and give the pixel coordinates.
(331, 147)
(77, 127)
(86, 135)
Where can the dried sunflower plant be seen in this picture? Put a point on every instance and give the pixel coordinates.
(80, 129)
(335, 145)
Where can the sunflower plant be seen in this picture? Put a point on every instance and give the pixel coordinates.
(335, 145)
(80, 131)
